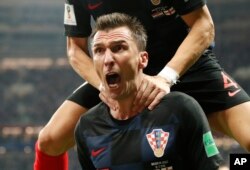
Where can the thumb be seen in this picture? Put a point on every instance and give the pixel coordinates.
(101, 88)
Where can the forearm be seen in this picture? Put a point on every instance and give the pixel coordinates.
(191, 49)
(83, 65)
(201, 35)
(80, 60)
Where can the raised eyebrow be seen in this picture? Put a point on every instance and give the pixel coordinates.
(118, 42)
(96, 45)
(112, 43)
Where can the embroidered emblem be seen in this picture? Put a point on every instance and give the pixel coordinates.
(69, 15)
(230, 85)
(209, 144)
(97, 152)
(163, 11)
(158, 140)
(231, 94)
(94, 6)
(156, 2)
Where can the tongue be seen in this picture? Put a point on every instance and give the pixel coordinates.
(113, 80)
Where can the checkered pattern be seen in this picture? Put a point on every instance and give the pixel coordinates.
(163, 139)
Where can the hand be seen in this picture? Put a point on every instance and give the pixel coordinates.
(150, 93)
(106, 99)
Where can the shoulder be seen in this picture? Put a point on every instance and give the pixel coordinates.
(178, 98)
(182, 104)
(97, 113)
(176, 103)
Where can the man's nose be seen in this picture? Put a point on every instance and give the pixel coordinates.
(109, 57)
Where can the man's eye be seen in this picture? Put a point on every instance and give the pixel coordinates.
(98, 50)
(117, 48)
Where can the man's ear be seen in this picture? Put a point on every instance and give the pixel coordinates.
(143, 60)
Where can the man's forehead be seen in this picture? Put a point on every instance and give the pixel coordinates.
(117, 34)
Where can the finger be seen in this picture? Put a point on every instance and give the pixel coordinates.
(147, 92)
(149, 87)
(152, 96)
(142, 102)
(101, 87)
(102, 97)
(156, 96)
(107, 100)
(156, 100)
(140, 91)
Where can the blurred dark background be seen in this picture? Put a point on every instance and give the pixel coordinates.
(35, 76)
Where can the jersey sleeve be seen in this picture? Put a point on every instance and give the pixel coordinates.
(82, 150)
(77, 19)
(201, 148)
(185, 6)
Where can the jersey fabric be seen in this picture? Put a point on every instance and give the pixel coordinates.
(205, 80)
(173, 136)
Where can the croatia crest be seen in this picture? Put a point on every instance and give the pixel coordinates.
(158, 140)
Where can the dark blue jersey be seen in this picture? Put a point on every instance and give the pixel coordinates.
(161, 18)
(175, 135)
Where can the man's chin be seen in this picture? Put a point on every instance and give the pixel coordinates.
(114, 96)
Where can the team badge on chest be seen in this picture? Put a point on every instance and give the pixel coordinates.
(158, 140)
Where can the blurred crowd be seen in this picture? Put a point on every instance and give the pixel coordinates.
(30, 96)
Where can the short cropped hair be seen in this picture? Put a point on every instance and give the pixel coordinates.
(115, 20)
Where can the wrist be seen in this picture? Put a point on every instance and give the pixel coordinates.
(170, 75)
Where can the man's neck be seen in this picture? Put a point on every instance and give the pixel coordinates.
(124, 107)
(123, 110)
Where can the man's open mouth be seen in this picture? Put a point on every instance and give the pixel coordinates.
(113, 79)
